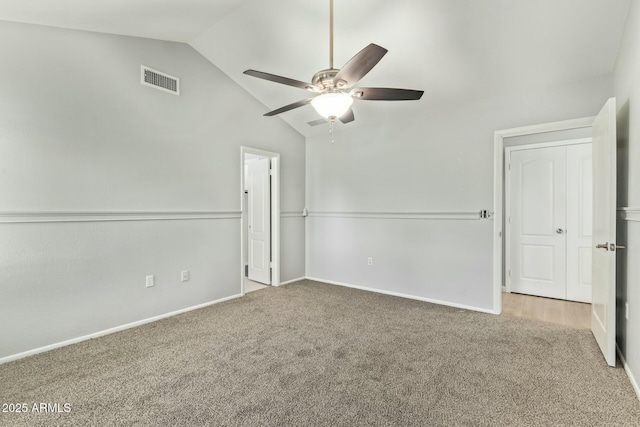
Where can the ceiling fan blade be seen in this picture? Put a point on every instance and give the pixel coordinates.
(289, 107)
(347, 117)
(282, 80)
(318, 122)
(386, 94)
(358, 66)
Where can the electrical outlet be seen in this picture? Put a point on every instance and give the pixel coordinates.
(150, 281)
(184, 276)
(626, 310)
(370, 261)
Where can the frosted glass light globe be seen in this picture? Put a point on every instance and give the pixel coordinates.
(332, 104)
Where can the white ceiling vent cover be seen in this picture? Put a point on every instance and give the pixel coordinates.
(159, 80)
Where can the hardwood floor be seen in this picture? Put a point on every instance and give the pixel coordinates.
(250, 286)
(567, 313)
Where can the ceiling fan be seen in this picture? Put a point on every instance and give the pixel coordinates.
(335, 87)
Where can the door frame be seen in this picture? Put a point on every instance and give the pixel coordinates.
(498, 189)
(275, 213)
(507, 193)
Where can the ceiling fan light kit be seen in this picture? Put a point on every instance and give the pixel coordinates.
(335, 86)
(332, 105)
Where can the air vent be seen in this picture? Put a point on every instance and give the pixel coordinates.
(159, 80)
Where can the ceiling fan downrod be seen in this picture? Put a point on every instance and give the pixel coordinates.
(331, 34)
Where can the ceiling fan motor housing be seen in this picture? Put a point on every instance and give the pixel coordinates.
(325, 79)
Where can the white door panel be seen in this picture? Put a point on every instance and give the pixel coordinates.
(259, 214)
(603, 320)
(536, 220)
(579, 220)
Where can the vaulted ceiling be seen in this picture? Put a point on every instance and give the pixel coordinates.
(454, 50)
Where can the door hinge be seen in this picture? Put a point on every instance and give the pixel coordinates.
(270, 171)
(509, 166)
(270, 265)
(509, 273)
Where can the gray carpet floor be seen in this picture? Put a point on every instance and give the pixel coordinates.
(312, 354)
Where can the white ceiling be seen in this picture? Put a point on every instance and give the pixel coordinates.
(175, 20)
(454, 50)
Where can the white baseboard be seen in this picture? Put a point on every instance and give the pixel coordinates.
(291, 281)
(398, 294)
(632, 379)
(28, 353)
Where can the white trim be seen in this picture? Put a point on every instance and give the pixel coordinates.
(307, 244)
(17, 356)
(538, 145)
(498, 186)
(275, 213)
(293, 280)
(291, 215)
(632, 379)
(400, 215)
(275, 219)
(506, 281)
(45, 216)
(584, 122)
(401, 295)
(629, 214)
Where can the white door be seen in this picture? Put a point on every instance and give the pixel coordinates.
(536, 221)
(259, 214)
(579, 221)
(603, 311)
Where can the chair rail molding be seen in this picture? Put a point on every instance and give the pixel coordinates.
(629, 214)
(90, 216)
(294, 214)
(465, 215)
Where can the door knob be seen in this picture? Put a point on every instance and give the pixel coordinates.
(560, 231)
(603, 246)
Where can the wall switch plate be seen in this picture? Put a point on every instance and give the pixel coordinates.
(150, 281)
(370, 261)
(626, 310)
(184, 276)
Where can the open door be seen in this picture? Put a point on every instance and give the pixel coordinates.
(259, 205)
(603, 303)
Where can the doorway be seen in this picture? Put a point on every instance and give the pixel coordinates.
(260, 230)
(548, 219)
(604, 248)
(500, 137)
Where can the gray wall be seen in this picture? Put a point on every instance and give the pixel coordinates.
(434, 160)
(80, 135)
(627, 89)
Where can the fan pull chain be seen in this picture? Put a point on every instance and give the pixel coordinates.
(331, 130)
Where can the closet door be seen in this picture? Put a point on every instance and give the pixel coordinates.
(579, 222)
(536, 221)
